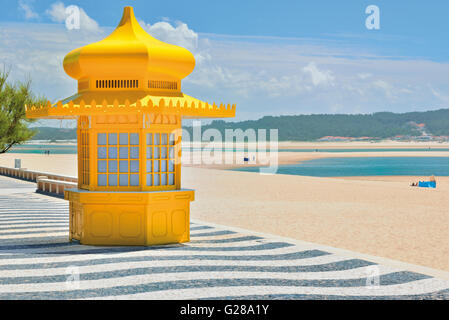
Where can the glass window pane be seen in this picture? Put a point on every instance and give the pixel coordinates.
(149, 152)
(156, 166)
(112, 165)
(156, 153)
(149, 179)
(163, 179)
(134, 167)
(101, 152)
(149, 167)
(156, 139)
(163, 152)
(101, 139)
(102, 166)
(102, 180)
(112, 140)
(163, 165)
(171, 165)
(123, 166)
(123, 152)
(134, 152)
(123, 138)
(171, 152)
(123, 180)
(164, 138)
(172, 139)
(112, 152)
(134, 139)
(134, 180)
(112, 180)
(156, 179)
(171, 179)
(149, 138)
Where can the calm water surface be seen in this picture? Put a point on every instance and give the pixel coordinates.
(366, 166)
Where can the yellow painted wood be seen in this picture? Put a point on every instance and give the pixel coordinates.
(129, 53)
(107, 126)
(129, 218)
(91, 103)
(129, 83)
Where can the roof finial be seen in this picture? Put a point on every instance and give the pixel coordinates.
(128, 14)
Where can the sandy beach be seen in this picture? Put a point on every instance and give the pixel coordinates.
(381, 216)
(362, 144)
(387, 218)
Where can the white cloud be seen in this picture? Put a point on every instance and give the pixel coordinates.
(37, 51)
(382, 84)
(440, 96)
(386, 87)
(319, 77)
(179, 35)
(57, 13)
(27, 10)
(364, 76)
(270, 76)
(276, 78)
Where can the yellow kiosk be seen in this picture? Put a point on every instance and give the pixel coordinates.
(129, 108)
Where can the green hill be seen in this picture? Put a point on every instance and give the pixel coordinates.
(51, 133)
(380, 125)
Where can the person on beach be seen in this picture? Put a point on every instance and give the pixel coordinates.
(426, 184)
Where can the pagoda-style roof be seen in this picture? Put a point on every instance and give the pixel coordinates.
(129, 72)
(129, 52)
(126, 102)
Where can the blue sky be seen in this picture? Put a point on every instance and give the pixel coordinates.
(269, 57)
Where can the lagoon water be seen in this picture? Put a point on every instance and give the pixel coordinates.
(366, 166)
(41, 148)
(429, 149)
(327, 167)
(72, 149)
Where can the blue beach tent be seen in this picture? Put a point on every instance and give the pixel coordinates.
(427, 184)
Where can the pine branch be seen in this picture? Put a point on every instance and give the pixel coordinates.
(5, 149)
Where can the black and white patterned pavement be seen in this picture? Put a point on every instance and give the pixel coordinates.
(38, 262)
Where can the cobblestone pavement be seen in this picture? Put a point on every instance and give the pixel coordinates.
(38, 262)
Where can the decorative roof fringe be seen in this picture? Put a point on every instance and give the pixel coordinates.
(189, 107)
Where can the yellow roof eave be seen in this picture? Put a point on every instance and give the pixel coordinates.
(183, 105)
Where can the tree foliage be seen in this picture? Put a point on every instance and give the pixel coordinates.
(13, 122)
(51, 133)
(382, 125)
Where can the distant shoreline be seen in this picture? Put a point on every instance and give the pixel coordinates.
(286, 157)
(304, 144)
